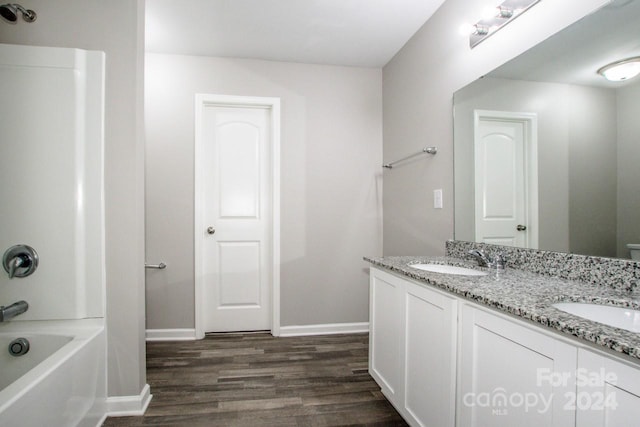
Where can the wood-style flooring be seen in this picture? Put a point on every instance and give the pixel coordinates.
(253, 380)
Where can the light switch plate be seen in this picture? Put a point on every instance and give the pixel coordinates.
(437, 199)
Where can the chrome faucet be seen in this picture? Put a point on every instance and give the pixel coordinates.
(483, 260)
(499, 260)
(13, 310)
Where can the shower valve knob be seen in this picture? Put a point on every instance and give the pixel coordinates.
(20, 261)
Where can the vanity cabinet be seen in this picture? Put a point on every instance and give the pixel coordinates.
(512, 375)
(412, 351)
(608, 392)
(385, 330)
(442, 360)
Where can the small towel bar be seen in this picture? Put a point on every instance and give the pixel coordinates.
(428, 150)
(160, 266)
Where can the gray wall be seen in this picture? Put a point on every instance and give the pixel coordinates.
(592, 171)
(576, 160)
(628, 167)
(331, 193)
(117, 28)
(418, 86)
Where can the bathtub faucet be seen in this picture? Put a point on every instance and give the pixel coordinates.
(13, 310)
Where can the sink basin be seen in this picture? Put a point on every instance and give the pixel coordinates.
(618, 317)
(448, 269)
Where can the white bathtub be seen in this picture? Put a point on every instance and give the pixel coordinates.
(60, 381)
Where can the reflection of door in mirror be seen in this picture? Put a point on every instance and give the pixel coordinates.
(506, 197)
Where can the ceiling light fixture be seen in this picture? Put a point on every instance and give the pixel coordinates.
(621, 70)
(496, 17)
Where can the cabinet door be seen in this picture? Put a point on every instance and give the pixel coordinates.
(608, 392)
(385, 332)
(511, 375)
(429, 357)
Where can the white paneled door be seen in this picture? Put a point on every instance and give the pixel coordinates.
(505, 179)
(236, 218)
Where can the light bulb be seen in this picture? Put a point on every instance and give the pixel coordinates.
(489, 12)
(467, 29)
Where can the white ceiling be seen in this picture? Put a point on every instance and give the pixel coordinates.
(361, 33)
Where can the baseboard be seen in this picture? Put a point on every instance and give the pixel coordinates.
(285, 331)
(123, 406)
(170, 334)
(328, 329)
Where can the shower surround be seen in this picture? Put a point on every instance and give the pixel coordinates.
(51, 167)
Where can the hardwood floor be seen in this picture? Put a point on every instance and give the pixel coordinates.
(258, 380)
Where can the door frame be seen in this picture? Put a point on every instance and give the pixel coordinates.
(530, 123)
(203, 101)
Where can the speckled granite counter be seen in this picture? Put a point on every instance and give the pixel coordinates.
(528, 295)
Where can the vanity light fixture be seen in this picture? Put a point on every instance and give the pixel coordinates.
(621, 70)
(504, 12)
(496, 17)
(480, 30)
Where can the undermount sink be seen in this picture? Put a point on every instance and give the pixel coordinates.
(618, 317)
(448, 269)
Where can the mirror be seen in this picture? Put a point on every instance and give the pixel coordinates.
(547, 151)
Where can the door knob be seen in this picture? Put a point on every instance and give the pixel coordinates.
(211, 230)
(521, 227)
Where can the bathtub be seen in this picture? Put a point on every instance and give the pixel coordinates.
(61, 381)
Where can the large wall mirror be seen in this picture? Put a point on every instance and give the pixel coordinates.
(547, 151)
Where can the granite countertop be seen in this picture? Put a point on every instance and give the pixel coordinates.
(528, 295)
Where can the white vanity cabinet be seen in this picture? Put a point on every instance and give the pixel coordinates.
(608, 392)
(442, 360)
(385, 330)
(412, 350)
(512, 375)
